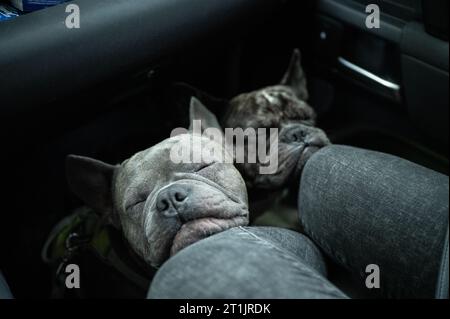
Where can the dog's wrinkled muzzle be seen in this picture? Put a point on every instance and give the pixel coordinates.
(187, 211)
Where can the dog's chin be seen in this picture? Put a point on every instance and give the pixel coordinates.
(295, 169)
(307, 153)
(195, 230)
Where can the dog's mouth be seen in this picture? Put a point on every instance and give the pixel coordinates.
(211, 211)
(198, 229)
(300, 156)
(307, 152)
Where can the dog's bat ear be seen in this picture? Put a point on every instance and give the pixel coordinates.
(199, 112)
(295, 77)
(91, 181)
(181, 89)
(183, 92)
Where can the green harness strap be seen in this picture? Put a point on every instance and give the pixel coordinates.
(84, 231)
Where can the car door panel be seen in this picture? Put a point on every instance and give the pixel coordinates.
(402, 63)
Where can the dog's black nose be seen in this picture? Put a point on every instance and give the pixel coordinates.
(170, 200)
(297, 136)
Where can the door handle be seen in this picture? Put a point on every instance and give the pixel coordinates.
(376, 82)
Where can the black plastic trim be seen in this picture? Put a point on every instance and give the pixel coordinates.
(42, 60)
(354, 14)
(417, 43)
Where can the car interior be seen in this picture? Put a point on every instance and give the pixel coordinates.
(107, 90)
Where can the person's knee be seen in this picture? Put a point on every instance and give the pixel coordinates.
(244, 263)
(325, 186)
(344, 181)
(357, 204)
(297, 244)
(5, 293)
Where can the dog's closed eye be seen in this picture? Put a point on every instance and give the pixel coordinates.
(308, 121)
(142, 200)
(202, 167)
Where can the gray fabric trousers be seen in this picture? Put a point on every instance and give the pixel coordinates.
(5, 293)
(358, 208)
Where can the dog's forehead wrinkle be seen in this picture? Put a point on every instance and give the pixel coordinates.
(158, 151)
(271, 99)
(151, 160)
(276, 91)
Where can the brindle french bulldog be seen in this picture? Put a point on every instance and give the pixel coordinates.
(283, 106)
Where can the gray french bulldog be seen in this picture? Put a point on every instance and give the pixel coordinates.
(160, 206)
